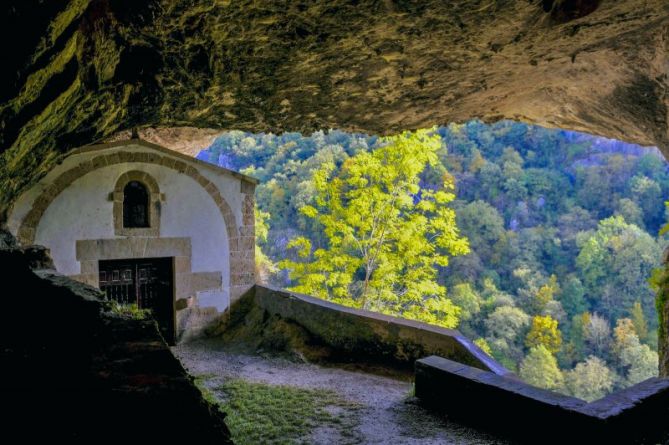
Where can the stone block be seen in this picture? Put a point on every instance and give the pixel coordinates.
(182, 264)
(202, 181)
(89, 267)
(247, 187)
(201, 281)
(33, 217)
(153, 158)
(108, 249)
(248, 211)
(50, 192)
(125, 156)
(26, 235)
(99, 162)
(141, 156)
(247, 231)
(138, 246)
(86, 166)
(246, 243)
(182, 285)
(180, 166)
(211, 188)
(86, 250)
(166, 247)
(113, 158)
(192, 172)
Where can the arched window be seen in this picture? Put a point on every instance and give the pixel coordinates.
(137, 201)
(135, 205)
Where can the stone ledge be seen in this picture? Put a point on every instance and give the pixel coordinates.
(513, 408)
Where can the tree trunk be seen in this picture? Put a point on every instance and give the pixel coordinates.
(364, 290)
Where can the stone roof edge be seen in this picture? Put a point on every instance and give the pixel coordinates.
(151, 145)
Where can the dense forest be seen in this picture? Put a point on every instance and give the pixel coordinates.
(562, 233)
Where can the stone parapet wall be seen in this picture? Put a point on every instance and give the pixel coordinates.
(532, 415)
(370, 335)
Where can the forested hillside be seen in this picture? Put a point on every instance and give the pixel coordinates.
(562, 230)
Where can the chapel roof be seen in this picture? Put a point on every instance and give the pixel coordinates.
(164, 150)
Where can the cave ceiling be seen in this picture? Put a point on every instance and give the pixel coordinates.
(80, 71)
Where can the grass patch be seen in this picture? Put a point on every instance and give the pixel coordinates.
(274, 414)
(128, 310)
(207, 394)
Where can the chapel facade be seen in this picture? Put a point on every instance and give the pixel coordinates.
(148, 226)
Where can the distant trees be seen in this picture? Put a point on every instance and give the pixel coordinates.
(639, 321)
(562, 228)
(648, 195)
(539, 368)
(590, 380)
(506, 326)
(615, 263)
(544, 332)
(484, 227)
(637, 362)
(572, 296)
(597, 334)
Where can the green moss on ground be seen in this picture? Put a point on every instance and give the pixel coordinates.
(128, 310)
(279, 414)
(207, 394)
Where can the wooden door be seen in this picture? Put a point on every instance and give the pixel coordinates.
(147, 282)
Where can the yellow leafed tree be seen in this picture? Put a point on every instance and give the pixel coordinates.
(385, 235)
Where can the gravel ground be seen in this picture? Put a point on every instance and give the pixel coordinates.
(388, 414)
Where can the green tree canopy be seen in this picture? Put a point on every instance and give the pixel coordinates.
(590, 380)
(615, 263)
(544, 332)
(539, 368)
(385, 235)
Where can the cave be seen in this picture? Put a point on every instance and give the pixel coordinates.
(89, 71)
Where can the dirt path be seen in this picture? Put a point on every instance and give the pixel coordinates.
(388, 414)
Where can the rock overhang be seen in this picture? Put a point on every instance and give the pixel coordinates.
(83, 70)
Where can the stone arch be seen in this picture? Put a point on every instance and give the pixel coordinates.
(155, 198)
(241, 275)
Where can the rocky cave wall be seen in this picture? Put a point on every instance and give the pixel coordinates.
(73, 370)
(80, 70)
